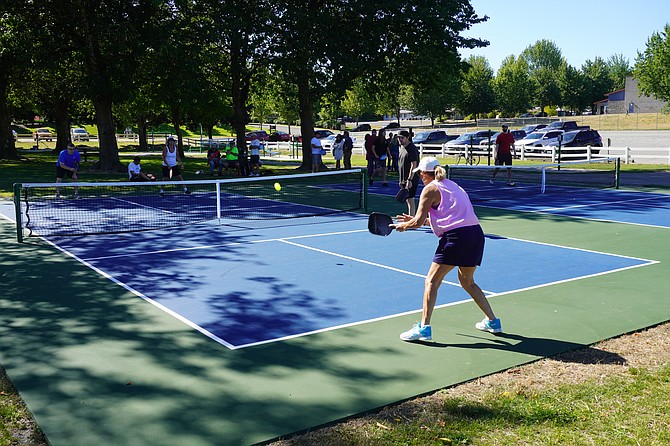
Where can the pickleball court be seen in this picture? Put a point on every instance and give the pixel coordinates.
(239, 330)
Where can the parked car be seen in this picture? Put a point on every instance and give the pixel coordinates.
(362, 128)
(262, 135)
(533, 128)
(44, 134)
(327, 142)
(279, 136)
(518, 134)
(391, 125)
(433, 137)
(474, 138)
(539, 139)
(567, 126)
(79, 134)
(582, 138)
(320, 134)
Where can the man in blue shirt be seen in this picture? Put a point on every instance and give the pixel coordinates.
(67, 165)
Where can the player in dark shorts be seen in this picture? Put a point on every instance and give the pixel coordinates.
(67, 166)
(446, 207)
(503, 153)
(409, 159)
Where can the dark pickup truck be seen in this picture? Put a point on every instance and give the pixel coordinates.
(566, 126)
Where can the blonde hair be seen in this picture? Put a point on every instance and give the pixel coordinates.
(440, 173)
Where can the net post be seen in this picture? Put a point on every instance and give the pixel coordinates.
(365, 189)
(218, 200)
(17, 208)
(617, 171)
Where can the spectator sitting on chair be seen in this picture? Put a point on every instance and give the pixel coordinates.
(232, 158)
(214, 159)
(135, 172)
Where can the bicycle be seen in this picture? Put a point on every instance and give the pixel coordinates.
(469, 156)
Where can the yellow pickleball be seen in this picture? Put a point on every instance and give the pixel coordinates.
(277, 187)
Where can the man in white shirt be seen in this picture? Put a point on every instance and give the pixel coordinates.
(317, 149)
(255, 155)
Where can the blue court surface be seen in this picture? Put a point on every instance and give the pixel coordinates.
(245, 285)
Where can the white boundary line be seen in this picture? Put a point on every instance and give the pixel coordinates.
(567, 215)
(381, 318)
(600, 204)
(162, 307)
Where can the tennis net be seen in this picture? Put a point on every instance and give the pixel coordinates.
(595, 174)
(66, 209)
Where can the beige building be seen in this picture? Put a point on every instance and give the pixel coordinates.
(628, 100)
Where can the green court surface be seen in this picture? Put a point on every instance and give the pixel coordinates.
(99, 366)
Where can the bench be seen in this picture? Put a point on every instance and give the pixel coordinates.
(85, 153)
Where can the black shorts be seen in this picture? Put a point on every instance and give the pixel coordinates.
(176, 171)
(255, 160)
(504, 159)
(461, 247)
(62, 173)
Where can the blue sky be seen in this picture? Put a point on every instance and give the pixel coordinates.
(581, 29)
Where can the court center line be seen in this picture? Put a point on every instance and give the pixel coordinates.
(568, 215)
(366, 262)
(153, 208)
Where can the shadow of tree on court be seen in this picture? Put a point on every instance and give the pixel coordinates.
(98, 365)
(540, 347)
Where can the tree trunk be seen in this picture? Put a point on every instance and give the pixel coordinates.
(62, 117)
(240, 94)
(7, 146)
(109, 150)
(142, 134)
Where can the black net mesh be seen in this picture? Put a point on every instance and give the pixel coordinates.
(103, 208)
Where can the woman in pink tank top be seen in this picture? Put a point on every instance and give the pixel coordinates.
(446, 207)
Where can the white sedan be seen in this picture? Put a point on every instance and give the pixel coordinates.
(535, 141)
(327, 142)
(80, 134)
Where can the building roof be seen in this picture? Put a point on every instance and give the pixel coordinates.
(615, 91)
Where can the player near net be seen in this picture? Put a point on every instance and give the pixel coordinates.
(502, 153)
(67, 165)
(171, 164)
(446, 208)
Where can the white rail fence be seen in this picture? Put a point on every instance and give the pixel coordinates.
(628, 155)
